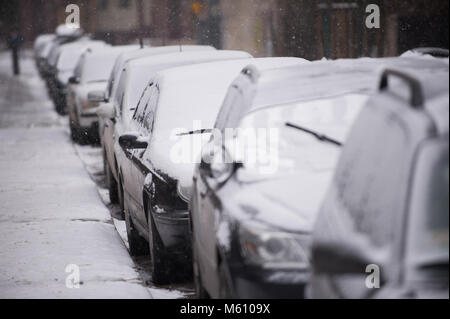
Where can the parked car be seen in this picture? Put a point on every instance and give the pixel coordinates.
(131, 82)
(91, 74)
(156, 213)
(383, 229)
(40, 43)
(63, 36)
(251, 224)
(62, 66)
(106, 120)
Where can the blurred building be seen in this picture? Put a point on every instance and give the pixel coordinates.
(337, 29)
(334, 29)
(306, 28)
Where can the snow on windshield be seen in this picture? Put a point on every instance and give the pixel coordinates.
(331, 117)
(98, 67)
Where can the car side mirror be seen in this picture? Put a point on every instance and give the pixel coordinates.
(74, 80)
(106, 111)
(217, 164)
(96, 96)
(345, 257)
(132, 141)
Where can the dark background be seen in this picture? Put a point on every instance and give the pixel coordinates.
(306, 28)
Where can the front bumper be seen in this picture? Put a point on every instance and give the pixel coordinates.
(257, 283)
(173, 228)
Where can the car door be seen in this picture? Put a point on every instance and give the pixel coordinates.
(208, 205)
(139, 168)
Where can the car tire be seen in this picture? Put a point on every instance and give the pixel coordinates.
(224, 290)
(121, 200)
(138, 246)
(162, 272)
(112, 184)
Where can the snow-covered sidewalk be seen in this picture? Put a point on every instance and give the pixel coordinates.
(51, 215)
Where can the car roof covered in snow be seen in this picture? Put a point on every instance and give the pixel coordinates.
(71, 52)
(146, 52)
(336, 77)
(139, 72)
(174, 57)
(97, 63)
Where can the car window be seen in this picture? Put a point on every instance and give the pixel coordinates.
(428, 241)
(149, 112)
(78, 68)
(374, 195)
(119, 95)
(142, 105)
(231, 102)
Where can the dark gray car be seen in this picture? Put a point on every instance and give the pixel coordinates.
(382, 231)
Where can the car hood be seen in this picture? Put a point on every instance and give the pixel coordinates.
(288, 203)
(179, 163)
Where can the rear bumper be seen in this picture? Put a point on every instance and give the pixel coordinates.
(91, 132)
(88, 118)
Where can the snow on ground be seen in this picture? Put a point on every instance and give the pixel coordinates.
(51, 214)
(93, 161)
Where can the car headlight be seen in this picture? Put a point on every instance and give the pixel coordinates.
(274, 249)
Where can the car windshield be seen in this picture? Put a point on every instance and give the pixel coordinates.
(69, 58)
(428, 243)
(283, 149)
(98, 68)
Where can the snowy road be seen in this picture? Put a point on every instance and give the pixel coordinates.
(51, 211)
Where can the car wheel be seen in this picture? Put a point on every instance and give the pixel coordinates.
(112, 185)
(225, 290)
(138, 245)
(121, 200)
(161, 268)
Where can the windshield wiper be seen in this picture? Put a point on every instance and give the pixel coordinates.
(202, 131)
(320, 137)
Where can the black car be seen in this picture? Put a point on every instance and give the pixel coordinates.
(150, 179)
(383, 230)
(252, 230)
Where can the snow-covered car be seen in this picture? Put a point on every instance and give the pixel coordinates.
(40, 43)
(175, 107)
(131, 85)
(107, 109)
(383, 229)
(91, 74)
(252, 216)
(49, 50)
(62, 66)
(434, 52)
